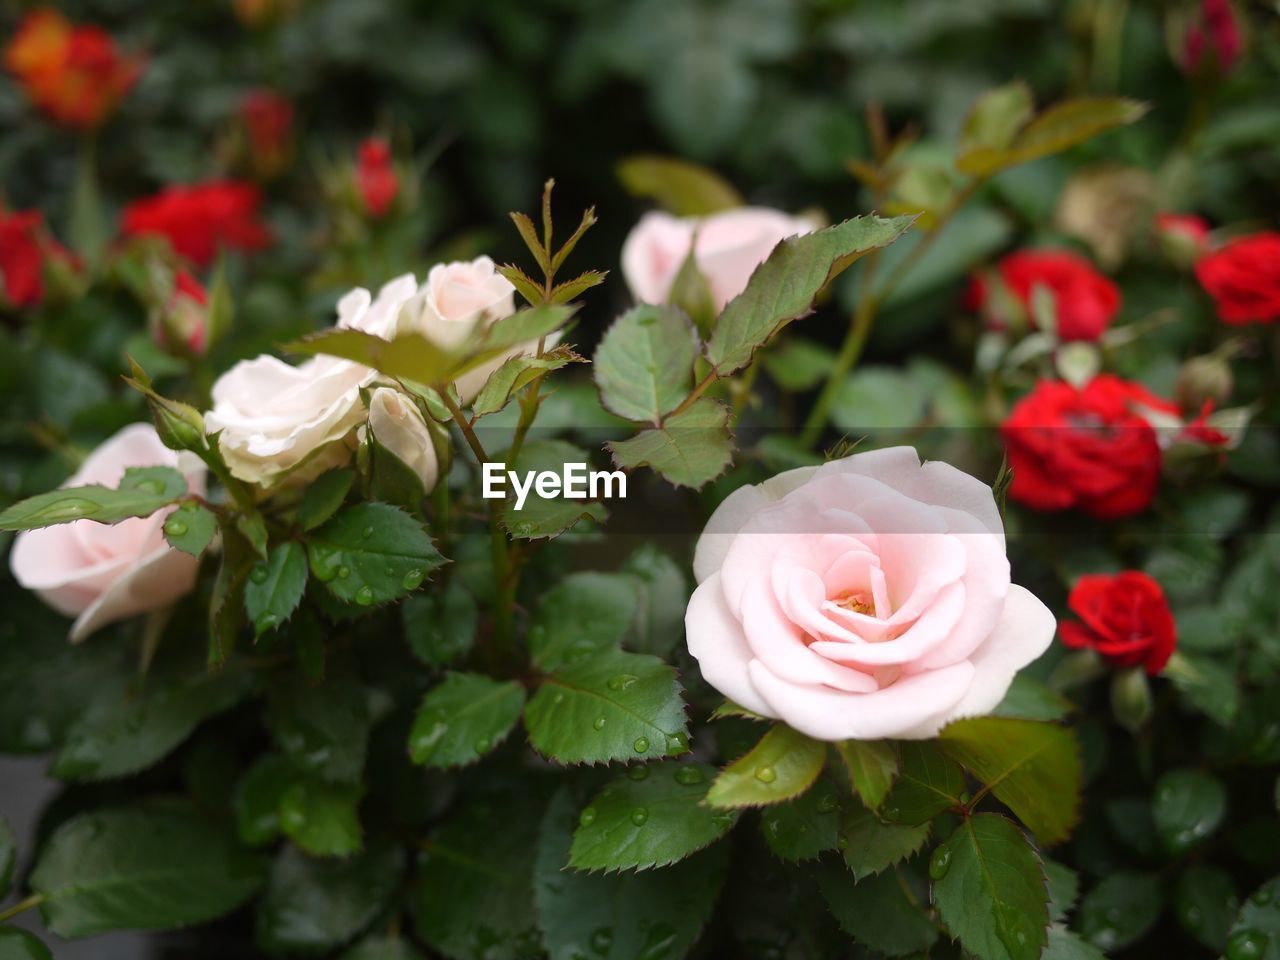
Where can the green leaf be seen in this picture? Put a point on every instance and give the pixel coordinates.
(391, 479)
(1032, 767)
(1065, 945)
(873, 767)
(8, 856)
(190, 528)
(1206, 903)
(323, 497)
(324, 728)
(126, 869)
(678, 186)
(798, 364)
(275, 586)
(440, 626)
(631, 913)
(18, 944)
(256, 800)
(585, 613)
(372, 553)
(1120, 910)
(517, 373)
(610, 706)
(691, 293)
(322, 818)
(994, 120)
(802, 828)
(782, 765)
(690, 449)
(474, 896)
(383, 948)
(226, 602)
(88, 229)
(1057, 128)
(783, 288)
(661, 593)
(142, 492)
(644, 363)
(1030, 699)
(542, 517)
(870, 845)
(882, 912)
(928, 783)
(1206, 684)
(1188, 807)
(650, 817)
(1064, 889)
(122, 734)
(566, 290)
(990, 890)
(1256, 933)
(463, 718)
(314, 905)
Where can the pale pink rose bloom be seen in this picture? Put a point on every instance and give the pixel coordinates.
(730, 247)
(100, 573)
(866, 598)
(398, 425)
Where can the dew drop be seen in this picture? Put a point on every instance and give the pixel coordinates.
(1263, 896)
(602, 940)
(364, 596)
(621, 681)
(267, 622)
(598, 723)
(842, 842)
(523, 529)
(677, 743)
(641, 745)
(367, 532)
(689, 775)
(68, 509)
(174, 528)
(766, 774)
(483, 744)
(259, 573)
(151, 486)
(939, 863)
(558, 698)
(1246, 945)
(343, 572)
(640, 816)
(587, 817)
(413, 579)
(828, 804)
(638, 772)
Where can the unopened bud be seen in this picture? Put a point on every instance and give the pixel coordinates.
(180, 425)
(1131, 699)
(1204, 378)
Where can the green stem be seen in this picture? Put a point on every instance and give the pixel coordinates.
(697, 391)
(468, 431)
(22, 905)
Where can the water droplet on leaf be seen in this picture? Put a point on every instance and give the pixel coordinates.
(766, 774)
(939, 863)
(1246, 945)
(638, 772)
(587, 817)
(640, 816)
(412, 580)
(174, 528)
(259, 573)
(641, 745)
(598, 723)
(621, 681)
(689, 775)
(364, 596)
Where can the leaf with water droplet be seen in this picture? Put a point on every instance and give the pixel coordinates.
(882, 912)
(322, 818)
(141, 492)
(585, 613)
(870, 846)
(190, 528)
(275, 586)
(322, 727)
(1256, 930)
(1120, 910)
(542, 517)
(463, 718)
(1188, 807)
(803, 828)
(373, 567)
(651, 821)
(782, 765)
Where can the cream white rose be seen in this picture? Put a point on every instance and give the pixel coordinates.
(102, 573)
(866, 598)
(397, 425)
(730, 245)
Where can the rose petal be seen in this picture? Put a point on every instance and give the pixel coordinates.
(715, 640)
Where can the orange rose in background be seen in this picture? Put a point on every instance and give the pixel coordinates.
(76, 74)
(199, 219)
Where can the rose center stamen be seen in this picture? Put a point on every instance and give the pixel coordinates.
(857, 603)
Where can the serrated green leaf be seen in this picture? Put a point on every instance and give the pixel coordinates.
(802, 828)
(1065, 945)
(995, 118)
(256, 800)
(679, 187)
(141, 492)
(782, 765)
(391, 479)
(783, 288)
(870, 846)
(324, 728)
(474, 896)
(634, 912)
(1206, 684)
(253, 528)
(1188, 807)
(928, 783)
(1032, 767)
(322, 818)
(691, 293)
(586, 613)
(1256, 931)
(1120, 910)
(190, 528)
(226, 602)
(372, 553)
(440, 626)
(566, 290)
(275, 586)
(122, 734)
(313, 905)
(873, 767)
(690, 449)
(323, 497)
(652, 816)
(542, 517)
(609, 706)
(798, 364)
(1206, 903)
(661, 594)
(530, 289)
(1030, 699)
(529, 234)
(1064, 889)
(517, 373)
(125, 869)
(882, 912)
(990, 890)
(644, 363)
(463, 718)
(18, 944)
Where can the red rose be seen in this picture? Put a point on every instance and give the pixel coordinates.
(199, 219)
(77, 75)
(1085, 301)
(1124, 617)
(1088, 447)
(268, 126)
(186, 315)
(1217, 27)
(25, 248)
(375, 177)
(1244, 278)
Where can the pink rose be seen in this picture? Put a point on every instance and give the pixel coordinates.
(866, 598)
(730, 246)
(100, 573)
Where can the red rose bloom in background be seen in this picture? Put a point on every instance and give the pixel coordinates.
(1124, 617)
(24, 250)
(1184, 226)
(77, 75)
(268, 124)
(199, 219)
(1244, 278)
(1217, 28)
(1089, 448)
(1086, 302)
(376, 177)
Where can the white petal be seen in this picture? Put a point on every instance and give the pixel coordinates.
(716, 641)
